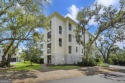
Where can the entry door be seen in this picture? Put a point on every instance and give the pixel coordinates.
(49, 59)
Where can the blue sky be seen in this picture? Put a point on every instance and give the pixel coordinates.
(62, 6)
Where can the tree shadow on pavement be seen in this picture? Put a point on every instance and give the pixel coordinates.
(89, 70)
(17, 75)
(107, 73)
(113, 76)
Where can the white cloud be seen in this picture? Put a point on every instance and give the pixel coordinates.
(37, 29)
(22, 48)
(92, 22)
(107, 3)
(73, 10)
(120, 44)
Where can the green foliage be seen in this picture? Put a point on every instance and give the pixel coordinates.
(118, 59)
(89, 62)
(41, 61)
(103, 65)
(23, 55)
(33, 52)
(108, 20)
(110, 61)
(19, 20)
(98, 60)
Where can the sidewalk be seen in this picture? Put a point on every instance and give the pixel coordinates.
(44, 66)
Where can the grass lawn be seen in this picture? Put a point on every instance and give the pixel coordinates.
(26, 66)
(103, 64)
(63, 67)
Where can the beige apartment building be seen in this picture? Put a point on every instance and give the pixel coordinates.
(60, 46)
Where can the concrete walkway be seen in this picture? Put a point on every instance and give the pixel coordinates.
(117, 66)
(114, 77)
(44, 67)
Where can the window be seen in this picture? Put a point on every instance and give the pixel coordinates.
(76, 49)
(70, 26)
(60, 42)
(60, 30)
(0, 51)
(41, 53)
(48, 36)
(70, 38)
(70, 49)
(49, 48)
(41, 46)
(82, 50)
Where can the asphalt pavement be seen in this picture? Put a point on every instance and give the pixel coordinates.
(117, 66)
(101, 78)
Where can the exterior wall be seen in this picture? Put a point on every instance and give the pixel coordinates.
(1, 52)
(60, 55)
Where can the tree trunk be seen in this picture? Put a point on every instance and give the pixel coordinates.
(108, 53)
(104, 58)
(24, 60)
(5, 53)
(8, 60)
(9, 55)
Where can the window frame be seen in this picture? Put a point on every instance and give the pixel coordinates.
(41, 46)
(70, 26)
(60, 30)
(82, 50)
(70, 49)
(76, 49)
(60, 42)
(70, 37)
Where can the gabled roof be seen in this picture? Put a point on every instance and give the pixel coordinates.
(65, 19)
(58, 15)
(69, 19)
(62, 18)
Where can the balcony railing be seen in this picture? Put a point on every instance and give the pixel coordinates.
(48, 40)
(49, 51)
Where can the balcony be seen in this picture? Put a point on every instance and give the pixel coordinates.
(48, 40)
(48, 51)
(49, 48)
(48, 36)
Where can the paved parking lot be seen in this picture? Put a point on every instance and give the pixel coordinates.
(114, 77)
(91, 79)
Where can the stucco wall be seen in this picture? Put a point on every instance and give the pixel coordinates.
(60, 55)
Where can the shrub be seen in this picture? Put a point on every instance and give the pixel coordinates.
(89, 62)
(38, 60)
(41, 61)
(110, 61)
(118, 59)
(104, 65)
